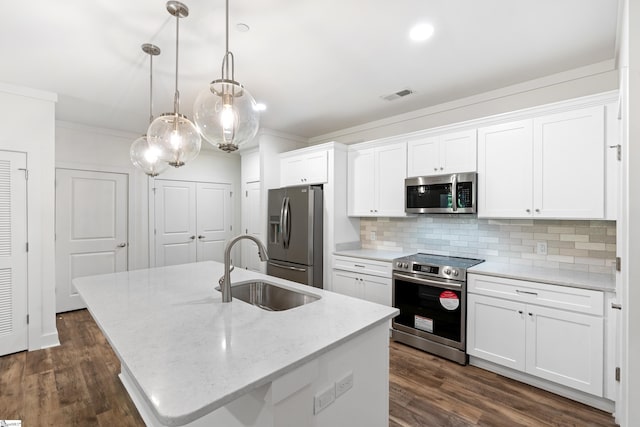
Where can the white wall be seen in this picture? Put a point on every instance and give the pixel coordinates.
(630, 66)
(27, 122)
(601, 77)
(91, 148)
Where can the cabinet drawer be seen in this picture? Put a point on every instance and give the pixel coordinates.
(544, 294)
(364, 266)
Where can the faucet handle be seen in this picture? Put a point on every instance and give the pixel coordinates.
(221, 279)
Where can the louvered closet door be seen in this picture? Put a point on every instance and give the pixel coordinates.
(13, 252)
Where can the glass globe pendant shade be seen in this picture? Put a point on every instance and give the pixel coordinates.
(226, 115)
(146, 157)
(175, 137)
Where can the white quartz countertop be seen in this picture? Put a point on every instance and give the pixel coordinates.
(576, 279)
(373, 254)
(191, 354)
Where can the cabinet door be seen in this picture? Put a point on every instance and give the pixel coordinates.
(505, 170)
(496, 330)
(391, 170)
(424, 157)
(458, 152)
(292, 171)
(361, 182)
(377, 289)
(346, 283)
(315, 168)
(566, 348)
(569, 164)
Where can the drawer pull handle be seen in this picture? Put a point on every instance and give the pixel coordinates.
(616, 306)
(358, 265)
(526, 292)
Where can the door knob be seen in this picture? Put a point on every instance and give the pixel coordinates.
(122, 245)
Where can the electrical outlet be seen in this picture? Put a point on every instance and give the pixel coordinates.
(372, 235)
(324, 399)
(344, 384)
(541, 248)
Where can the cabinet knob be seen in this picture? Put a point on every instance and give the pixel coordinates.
(528, 210)
(537, 210)
(519, 311)
(200, 237)
(192, 237)
(435, 169)
(122, 245)
(441, 168)
(530, 314)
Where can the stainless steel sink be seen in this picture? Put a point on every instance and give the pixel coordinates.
(269, 296)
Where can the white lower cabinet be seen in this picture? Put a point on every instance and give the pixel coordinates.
(365, 279)
(523, 329)
(364, 286)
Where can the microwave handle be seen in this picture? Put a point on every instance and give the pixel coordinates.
(454, 193)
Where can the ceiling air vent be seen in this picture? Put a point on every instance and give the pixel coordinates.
(397, 95)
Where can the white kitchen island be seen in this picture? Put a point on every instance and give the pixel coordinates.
(189, 359)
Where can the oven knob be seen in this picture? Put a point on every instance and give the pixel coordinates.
(447, 271)
(455, 272)
(398, 264)
(405, 265)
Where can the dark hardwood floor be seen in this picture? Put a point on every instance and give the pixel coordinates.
(76, 384)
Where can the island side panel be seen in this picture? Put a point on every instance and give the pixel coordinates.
(366, 403)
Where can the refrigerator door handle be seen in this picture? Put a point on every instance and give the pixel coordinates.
(275, 264)
(281, 230)
(287, 223)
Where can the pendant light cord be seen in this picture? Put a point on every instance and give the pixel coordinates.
(151, 89)
(228, 56)
(176, 99)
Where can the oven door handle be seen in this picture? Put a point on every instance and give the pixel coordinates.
(421, 281)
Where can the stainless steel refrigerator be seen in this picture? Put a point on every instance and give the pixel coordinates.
(295, 234)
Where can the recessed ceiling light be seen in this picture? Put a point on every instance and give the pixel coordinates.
(421, 32)
(260, 106)
(242, 27)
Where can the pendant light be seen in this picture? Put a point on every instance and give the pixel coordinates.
(144, 156)
(175, 136)
(225, 112)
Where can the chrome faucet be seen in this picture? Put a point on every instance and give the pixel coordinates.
(225, 286)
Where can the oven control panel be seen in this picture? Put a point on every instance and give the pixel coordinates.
(430, 270)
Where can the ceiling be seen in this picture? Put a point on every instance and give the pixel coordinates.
(318, 65)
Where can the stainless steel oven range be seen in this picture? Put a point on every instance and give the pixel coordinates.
(431, 292)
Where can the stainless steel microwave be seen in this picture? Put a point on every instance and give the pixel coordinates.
(452, 193)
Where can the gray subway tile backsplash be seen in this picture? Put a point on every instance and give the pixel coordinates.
(571, 245)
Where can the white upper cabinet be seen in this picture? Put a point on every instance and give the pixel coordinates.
(442, 154)
(303, 169)
(569, 164)
(548, 167)
(376, 180)
(505, 170)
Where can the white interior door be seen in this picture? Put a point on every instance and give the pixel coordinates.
(213, 220)
(91, 229)
(13, 252)
(252, 225)
(175, 222)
